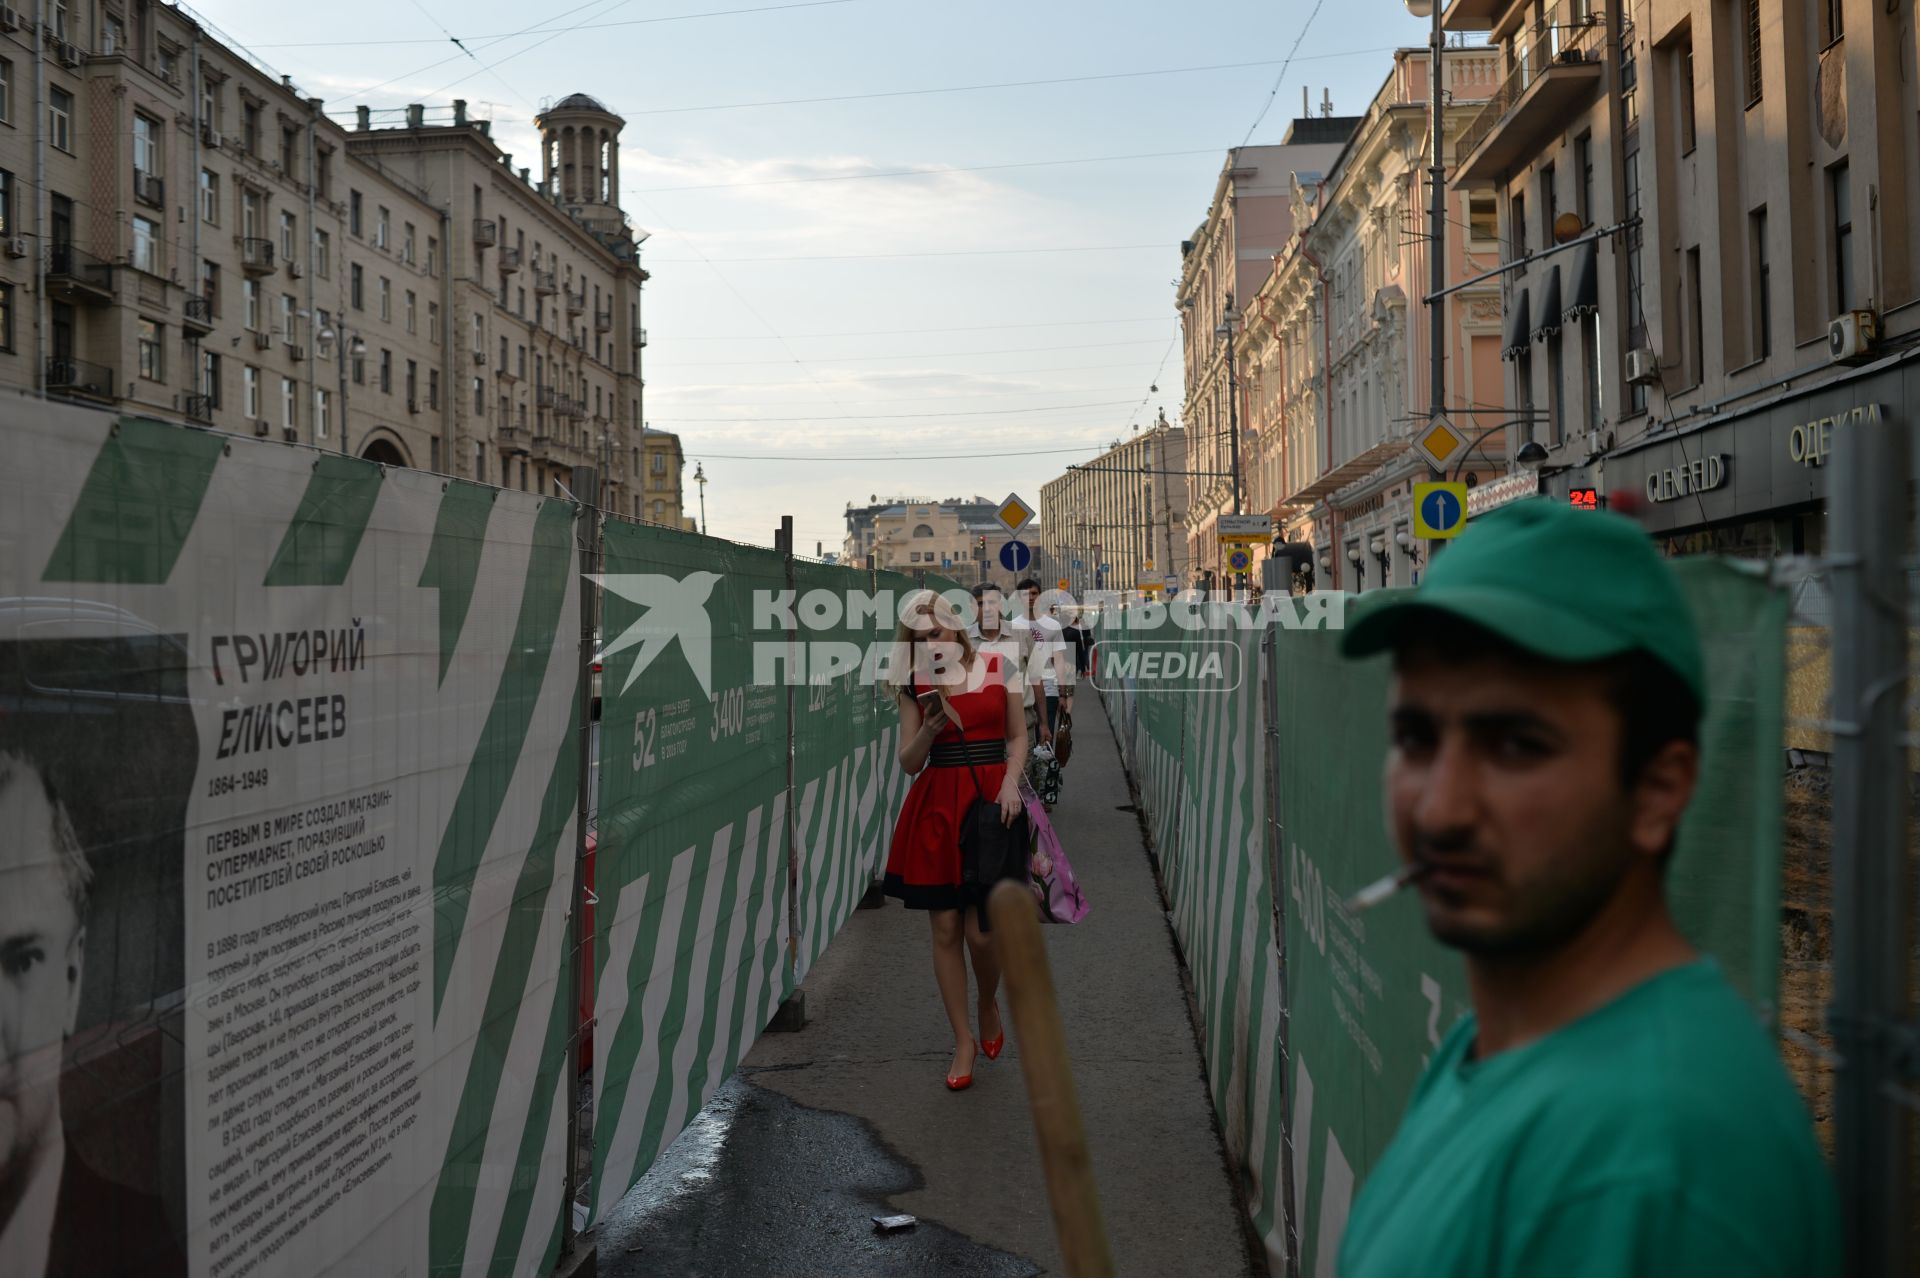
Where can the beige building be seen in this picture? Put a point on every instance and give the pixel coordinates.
(1710, 220)
(1334, 353)
(957, 537)
(658, 488)
(1119, 522)
(1249, 221)
(207, 245)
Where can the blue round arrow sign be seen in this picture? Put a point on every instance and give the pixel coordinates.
(1441, 510)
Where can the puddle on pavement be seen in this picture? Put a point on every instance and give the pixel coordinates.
(758, 1185)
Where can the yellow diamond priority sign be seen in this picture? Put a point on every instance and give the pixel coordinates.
(1439, 509)
(1439, 443)
(1014, 514)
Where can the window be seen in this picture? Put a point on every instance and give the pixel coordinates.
(287, 314)
(289, 233)
(433, 323)
(1696, 336)
(520, 304)
(60, 119)
(6, 202)
(1517, 225)
(433, 454)
(209, 197)
(210, 286)
(433, 388)
(1750, 39)
(1583, 178)
(322, 412)
(6, 91)
(359, 368)
(386, 299)
(480, 462)
(1590, 348)
(250, 128)
(250, 304)
(323, 254)
(146, 245)
(353, 215)
(209, 98)
(479, 335)
(113, 35)
(413, 382)
(1840, 205)
(289, 151)
(503, 352)
(253, 212)
(386, 372)
(479, 397)
(659, 463)
(6, 317)
(380, 228)
(1683, 67)
(1762, 287)
(1483, 218)
(146, 144)
(323, 179)
(433, 255)
(357, 287)
(210, 378)
(250, 392)
(1549, 207)
(521, 368)
(321, 323)
(407, 310)
(406, 244)
(289, 403)
(1556, 378)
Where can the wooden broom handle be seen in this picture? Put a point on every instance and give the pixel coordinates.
(1049, 1074)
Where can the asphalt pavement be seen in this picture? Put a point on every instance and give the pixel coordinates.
(849, 1118)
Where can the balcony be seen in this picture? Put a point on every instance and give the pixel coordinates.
(198, 314)
(1558, 73)
(198, 408)
(148, 188)
(256, 255)
(74, 275)
(67, 376)
(545, 397)
(509, 260)
(639, 337)
(577, 302)
(603, 321)
(485, 234)
(544, 284)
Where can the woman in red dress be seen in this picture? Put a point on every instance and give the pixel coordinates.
(963, 737)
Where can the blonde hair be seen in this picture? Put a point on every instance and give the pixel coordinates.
(906, 634)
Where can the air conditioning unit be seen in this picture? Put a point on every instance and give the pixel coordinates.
(1851, 336)
(9, 18)
(261, 428)
(295, 269)
(296, 352)
(210, 135)
(17, 246)
(290, 433)
(413, 405)
(262, 340)
(1642, 367)
(68, 53)
(479, 357)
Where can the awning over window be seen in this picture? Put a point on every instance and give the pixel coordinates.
(1549, 307)
(1585, 297)
(1514, 343)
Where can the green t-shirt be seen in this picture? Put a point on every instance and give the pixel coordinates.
(1658, 1135)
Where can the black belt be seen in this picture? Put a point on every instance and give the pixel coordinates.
(961, 754)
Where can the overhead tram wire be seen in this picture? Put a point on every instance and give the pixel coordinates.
(872, 417)
(977, 455)
(1281, 78)
(496, 37)
(829, 359)
(873, 257)
(934, 172)
(894, 332)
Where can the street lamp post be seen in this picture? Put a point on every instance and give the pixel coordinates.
(1225, 332)
(1436, 220)
(700, 478)
(351, 346)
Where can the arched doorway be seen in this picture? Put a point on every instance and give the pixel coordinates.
(383, 451)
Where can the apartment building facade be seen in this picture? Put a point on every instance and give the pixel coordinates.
(1119, 522)
(1335, 352)
(188, 237)
(1248, 222)
(1711, 212)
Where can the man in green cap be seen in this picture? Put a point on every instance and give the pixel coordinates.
(1611, 1106)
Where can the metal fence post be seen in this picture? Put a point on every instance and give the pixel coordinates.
(587, 539)
(1277, 872)
(792, 1013)
(1867, 510)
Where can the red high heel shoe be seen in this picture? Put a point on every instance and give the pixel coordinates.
(994, 1046)
(963, 1081)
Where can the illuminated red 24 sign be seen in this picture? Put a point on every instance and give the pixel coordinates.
(1584, 498)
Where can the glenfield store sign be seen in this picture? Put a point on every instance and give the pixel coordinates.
(1740, 466)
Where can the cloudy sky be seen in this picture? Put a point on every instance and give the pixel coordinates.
(819, 334)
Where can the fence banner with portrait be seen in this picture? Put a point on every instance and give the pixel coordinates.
(289, 748)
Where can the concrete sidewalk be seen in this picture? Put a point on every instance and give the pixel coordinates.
(850, 1117)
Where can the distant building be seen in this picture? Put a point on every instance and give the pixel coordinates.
(958, 537)
(1119, 521)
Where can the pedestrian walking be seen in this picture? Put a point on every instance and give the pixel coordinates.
(1610, 1106)
(1080, 636)
(962, 738)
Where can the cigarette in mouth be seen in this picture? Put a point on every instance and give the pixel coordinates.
(1382, 888)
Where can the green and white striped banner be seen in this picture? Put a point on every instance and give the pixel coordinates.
(313, 724)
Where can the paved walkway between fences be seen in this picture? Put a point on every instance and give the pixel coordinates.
(848, 1118)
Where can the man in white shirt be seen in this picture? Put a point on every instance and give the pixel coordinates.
(1048, 672)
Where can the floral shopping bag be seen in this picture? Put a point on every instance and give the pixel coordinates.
(1051, 876)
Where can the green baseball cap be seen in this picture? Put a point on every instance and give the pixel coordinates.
(1564, 584)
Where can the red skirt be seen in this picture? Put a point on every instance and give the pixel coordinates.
(923, 866)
